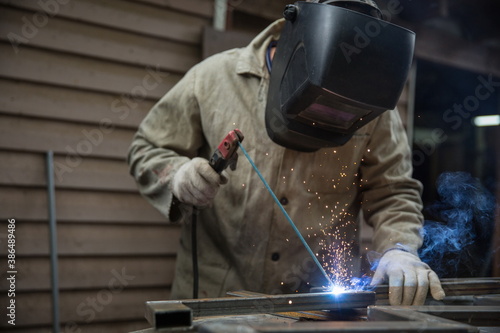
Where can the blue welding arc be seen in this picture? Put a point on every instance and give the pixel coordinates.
(289, 219)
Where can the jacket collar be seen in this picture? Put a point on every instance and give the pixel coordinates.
(252, 59)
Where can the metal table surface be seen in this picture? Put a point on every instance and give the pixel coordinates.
(471, 305)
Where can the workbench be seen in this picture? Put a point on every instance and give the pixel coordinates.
(470, 305)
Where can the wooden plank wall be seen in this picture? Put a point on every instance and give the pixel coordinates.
(76, 78)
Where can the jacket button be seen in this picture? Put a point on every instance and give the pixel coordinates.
(284, 201)
(275, 256)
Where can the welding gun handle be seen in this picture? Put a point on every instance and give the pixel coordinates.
(219, 164)
(225, 155)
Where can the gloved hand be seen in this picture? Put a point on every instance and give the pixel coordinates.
(409, 278)
(196, 182)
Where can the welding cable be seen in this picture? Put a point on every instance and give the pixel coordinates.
(269, 60)
(194, 253)
(194, 246)
(297, 231)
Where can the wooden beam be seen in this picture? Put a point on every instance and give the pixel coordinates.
(71, 105)
(27, 170)
(85, 307)
(94, 240)
(76, 37)
(198, 7)
(30, 204)
(93, 272)
(271, 10)
(128, 16)
(46, 67)
(81, 141)
(437, 46)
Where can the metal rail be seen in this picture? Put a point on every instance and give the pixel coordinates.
(170, 314)
(457, 287)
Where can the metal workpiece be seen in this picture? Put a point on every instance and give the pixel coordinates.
(488, 316)
(471, 305)
(337, 327)
(412, 314)
(171, 314)
(168, 314)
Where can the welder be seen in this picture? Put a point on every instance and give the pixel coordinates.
(314, 95)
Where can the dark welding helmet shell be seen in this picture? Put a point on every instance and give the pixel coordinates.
(335, 69)
(367, 7)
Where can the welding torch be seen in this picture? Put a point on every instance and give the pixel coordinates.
(224, 156)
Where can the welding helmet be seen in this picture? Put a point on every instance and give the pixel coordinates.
(338, 65)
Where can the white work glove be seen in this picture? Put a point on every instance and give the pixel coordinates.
(196, 182)
(409, 278)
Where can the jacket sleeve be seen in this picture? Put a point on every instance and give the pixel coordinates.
(391, 198)
(168, 137)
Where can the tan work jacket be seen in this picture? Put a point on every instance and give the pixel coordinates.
(244, 240)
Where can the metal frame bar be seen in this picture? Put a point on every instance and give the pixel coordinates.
(54, 270)
(168, 314)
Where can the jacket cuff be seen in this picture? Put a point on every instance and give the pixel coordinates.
(178, 212)
(399, 247)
